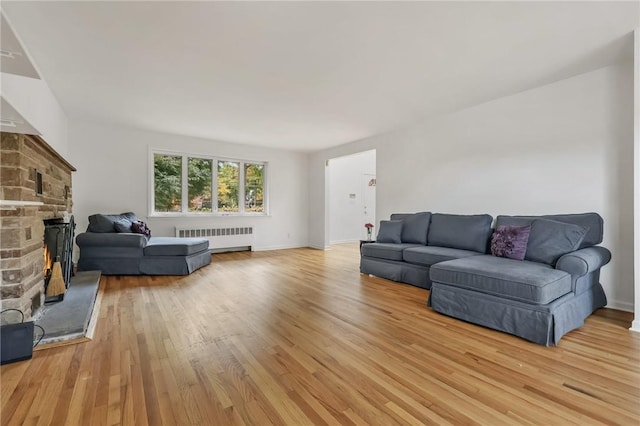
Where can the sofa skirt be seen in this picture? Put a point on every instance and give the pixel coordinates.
(542, 324)
(110, 265)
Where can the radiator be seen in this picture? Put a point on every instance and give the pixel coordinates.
(221, 239)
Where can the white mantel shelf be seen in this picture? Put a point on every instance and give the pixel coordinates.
(18, 203)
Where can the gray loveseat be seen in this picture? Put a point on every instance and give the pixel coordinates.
(540, 298)
(110, 246)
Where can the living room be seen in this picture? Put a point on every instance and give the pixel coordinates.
(497, 108)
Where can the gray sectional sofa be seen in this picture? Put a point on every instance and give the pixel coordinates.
(109, 245)
(539, 291)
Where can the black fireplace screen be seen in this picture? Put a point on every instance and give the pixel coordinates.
(58, 243)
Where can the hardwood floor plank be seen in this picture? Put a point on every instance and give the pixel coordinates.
(300, 337)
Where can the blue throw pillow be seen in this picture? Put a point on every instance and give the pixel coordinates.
(390, 232)
(550, 239)
(510, 241)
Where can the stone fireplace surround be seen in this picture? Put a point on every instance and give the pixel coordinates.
(22, 226)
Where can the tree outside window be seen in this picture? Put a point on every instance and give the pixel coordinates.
(185, 184)
(254, 188)
(167, 179)
(228, 186)
(200, 179)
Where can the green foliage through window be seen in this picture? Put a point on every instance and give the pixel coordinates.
(239, 186)
(199, 177)
(254, 187)
(167, 172)
(228, 186)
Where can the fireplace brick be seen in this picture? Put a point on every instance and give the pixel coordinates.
(11, 276)
(11, 176)
(10, 222)
(11, 291)
(22, 229)
(10, 238)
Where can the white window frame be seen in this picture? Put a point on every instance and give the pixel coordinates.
(214, 185)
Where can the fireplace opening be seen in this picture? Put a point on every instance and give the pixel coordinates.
(58, 258)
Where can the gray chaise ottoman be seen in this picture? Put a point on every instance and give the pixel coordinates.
(103, 248)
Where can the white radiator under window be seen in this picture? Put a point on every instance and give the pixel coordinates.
(220, 239)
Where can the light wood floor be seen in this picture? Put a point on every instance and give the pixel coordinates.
(299, 337)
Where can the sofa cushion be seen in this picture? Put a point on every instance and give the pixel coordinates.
(550, 239)
(385, 250)
(106, 222)
(465, 232)
(122, 225)
(518, 280)
(592, 221)
(390, 231)
(172, 246)
(415, 226)
(510, 241)
(428, 255)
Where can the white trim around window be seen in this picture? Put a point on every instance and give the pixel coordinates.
(214, 185)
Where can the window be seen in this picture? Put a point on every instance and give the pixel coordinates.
(167, 183)
(200, 180)
(228, 186)
(253, 187)
(187, 184)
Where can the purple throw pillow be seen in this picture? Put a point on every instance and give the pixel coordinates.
(139, 227)
(510, 241)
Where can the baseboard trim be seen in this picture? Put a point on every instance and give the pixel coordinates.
(283, 247)
(635, 326)
(621, 306)
(319, 247)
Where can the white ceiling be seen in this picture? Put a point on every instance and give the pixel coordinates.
(307, 75)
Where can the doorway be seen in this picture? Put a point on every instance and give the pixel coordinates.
(351, 196)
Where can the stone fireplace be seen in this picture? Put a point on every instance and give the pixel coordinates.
(35, 185)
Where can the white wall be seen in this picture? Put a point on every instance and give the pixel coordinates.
(562, 148)
(345, 178)
(113, 176)
(33, 99)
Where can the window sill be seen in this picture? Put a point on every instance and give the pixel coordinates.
(191, 215)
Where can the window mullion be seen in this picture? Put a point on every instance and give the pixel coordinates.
(185, 184)
(241, 189)
(214, 186)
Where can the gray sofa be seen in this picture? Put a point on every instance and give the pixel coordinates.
(106, 249)
(540, 298)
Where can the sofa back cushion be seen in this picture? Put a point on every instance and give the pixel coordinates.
(390, 232)
(106, 222)
(550, 239)
(415, 227)
(465, 232)
(592, 221)
(122, 225)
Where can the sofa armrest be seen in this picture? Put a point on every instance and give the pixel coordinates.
(583, 261)
(111, 239)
